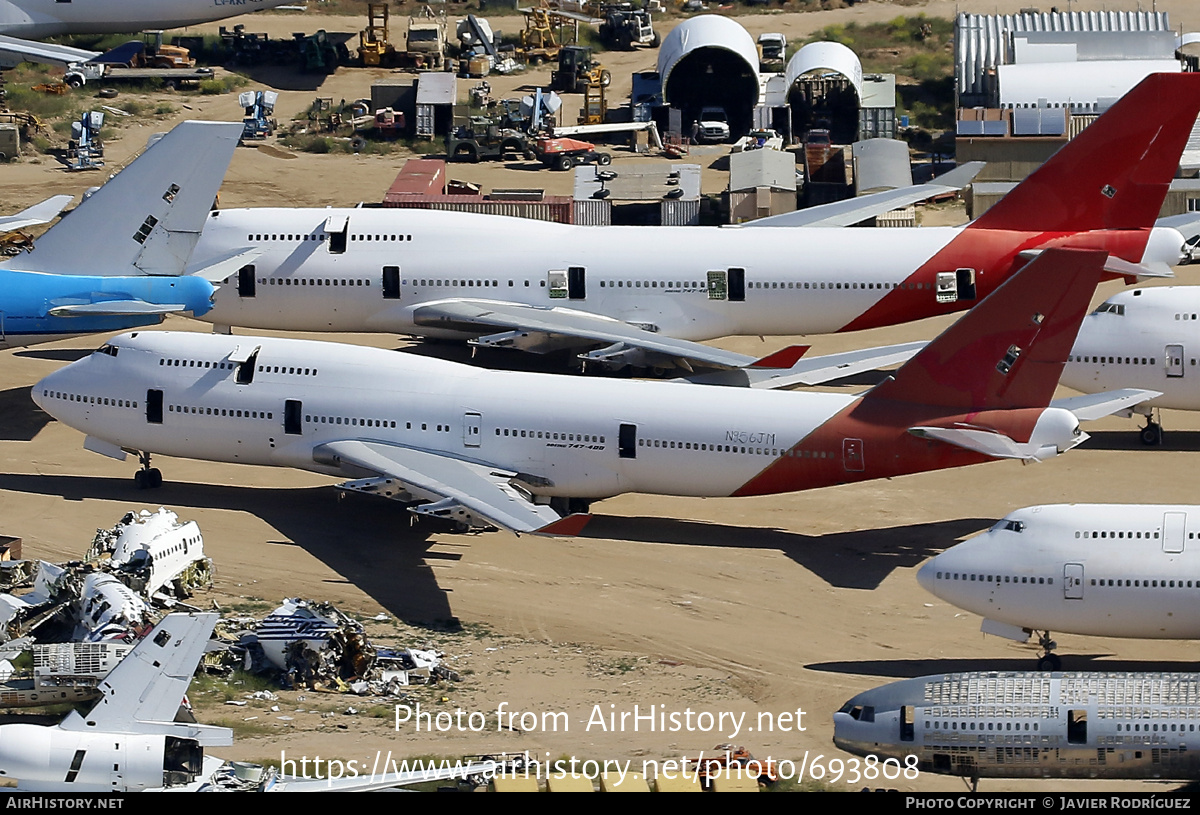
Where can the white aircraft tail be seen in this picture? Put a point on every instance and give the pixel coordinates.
(147, 219)
(149, 684)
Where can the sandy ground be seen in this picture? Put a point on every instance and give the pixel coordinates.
(761, 605)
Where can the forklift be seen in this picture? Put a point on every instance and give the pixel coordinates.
(577, 70)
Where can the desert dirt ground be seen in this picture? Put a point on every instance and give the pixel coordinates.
(759, 605)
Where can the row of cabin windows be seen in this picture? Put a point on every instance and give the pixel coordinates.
(467, 283)
(1145, 584)
(212, 411)
(1122, 535)
(733, 448)
(91, 400)
(547, 434)
(229, 366)
(996, 578)
(320, 237)
(1155, 728)
(1185, 316)
(308, 281)
(355, 421)
(197, 363)
(1114, 360)
(953, 725)
(284, 369)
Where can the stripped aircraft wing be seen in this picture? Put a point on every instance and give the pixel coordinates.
(517, 322)
(42, 213)
(457, 490)
(854, 210)
(14, 51)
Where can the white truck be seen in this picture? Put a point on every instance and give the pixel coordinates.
(713, 125)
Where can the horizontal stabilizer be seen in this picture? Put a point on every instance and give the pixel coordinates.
(987, 442)
(217, 270)
(1116, 265)
(42, 213)
(814, 371)
(1106, 403)
(854, 210)
(14, 51)
(782, 359)
(116, 308)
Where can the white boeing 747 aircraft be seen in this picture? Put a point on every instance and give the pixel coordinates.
(646, 296)
(1107, 570)
(1142, 338)
(24, 20)
(517, 450)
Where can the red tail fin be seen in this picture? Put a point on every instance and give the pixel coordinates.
(1008, 351)
(1113, 175)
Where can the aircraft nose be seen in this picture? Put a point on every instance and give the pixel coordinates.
(926, 575)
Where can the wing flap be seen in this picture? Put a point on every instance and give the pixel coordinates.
(449, 484)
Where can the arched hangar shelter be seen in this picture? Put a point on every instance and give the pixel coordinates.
(710, 61)
(824, 90)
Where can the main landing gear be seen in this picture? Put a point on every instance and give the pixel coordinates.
(147, 478)
(1152, 433)
(1049, 660)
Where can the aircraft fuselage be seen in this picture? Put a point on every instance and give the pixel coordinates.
(35, 19)
(372, 270)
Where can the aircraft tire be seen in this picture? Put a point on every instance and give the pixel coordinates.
(1049, 662)
(1152, 435)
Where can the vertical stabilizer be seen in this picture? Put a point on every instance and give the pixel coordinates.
(1008, 351)
(1113, 175)
(147, 219)
(151, 681)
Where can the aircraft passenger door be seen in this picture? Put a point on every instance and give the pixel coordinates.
(737, 285)
(627, 441)
(852, 455)
(576, 283)
(1173, 526)
(245, 282)
(391, 282)
(293, 410)
(1073, 581)
(154, 406)
(471, 425)
(337, 228)
(1174, 357)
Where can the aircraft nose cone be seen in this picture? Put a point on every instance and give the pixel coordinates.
(925, 575)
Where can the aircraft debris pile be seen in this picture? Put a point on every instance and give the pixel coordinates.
(155, 555)
(312, 645)
(146, 558)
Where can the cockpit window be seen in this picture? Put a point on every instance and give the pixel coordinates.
(1110, 308)
(862, 713)
(1006, 525)
(107, 348)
